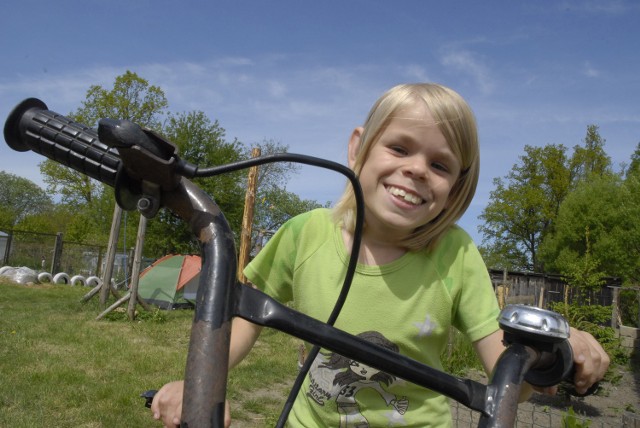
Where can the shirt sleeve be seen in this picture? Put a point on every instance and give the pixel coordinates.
(272, 268)
(477, 310)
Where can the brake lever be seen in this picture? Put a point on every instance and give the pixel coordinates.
(148, 396)
(568, 385)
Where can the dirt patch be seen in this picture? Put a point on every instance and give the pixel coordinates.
(607, 406)
(605, 409)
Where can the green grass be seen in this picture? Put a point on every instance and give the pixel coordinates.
(60, 367)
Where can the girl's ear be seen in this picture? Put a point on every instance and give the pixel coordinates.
(354, 145)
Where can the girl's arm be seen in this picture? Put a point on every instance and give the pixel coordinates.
(591, 361)
(167, 403)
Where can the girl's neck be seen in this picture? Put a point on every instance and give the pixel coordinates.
(374, 252)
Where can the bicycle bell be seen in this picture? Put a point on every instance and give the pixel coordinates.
(534, 323)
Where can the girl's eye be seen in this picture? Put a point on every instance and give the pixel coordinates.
(440, 166)
(400, 150)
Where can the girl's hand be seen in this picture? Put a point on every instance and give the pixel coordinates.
(167, 405)
(590, 360)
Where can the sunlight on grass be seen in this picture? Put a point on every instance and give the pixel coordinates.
(60, 367)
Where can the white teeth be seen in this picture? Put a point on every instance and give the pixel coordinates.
(409, 197)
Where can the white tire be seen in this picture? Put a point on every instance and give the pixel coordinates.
(44, 277)
(77, 279)
(93, 281)
(61, 278)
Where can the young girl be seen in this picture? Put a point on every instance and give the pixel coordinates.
(417, 160)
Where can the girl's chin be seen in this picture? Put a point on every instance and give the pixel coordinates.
(398, 225)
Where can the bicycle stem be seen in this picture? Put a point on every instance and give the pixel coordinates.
(207, 361)
(503, 393)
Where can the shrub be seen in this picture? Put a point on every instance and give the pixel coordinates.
(628, 302)
(459, 356)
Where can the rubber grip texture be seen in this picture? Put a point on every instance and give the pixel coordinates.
(32, 126)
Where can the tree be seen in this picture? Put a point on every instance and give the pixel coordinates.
(131, 98)
(634, 167)
(200, 142)
(91, 202)
(274, 204)
(19, 199)
(273, 175)
(51, 221)
(273, 209)
(523, 207)
(608, 208)
(590, 160)
(583, 272)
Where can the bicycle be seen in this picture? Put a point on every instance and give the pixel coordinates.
(147, 174)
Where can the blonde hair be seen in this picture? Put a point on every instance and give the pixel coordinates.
(456, 122)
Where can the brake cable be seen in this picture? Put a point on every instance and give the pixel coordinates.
(353, 258)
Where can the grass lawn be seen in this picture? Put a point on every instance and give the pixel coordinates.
(59, 367)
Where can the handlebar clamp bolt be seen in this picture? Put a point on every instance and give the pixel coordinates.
(148, 207)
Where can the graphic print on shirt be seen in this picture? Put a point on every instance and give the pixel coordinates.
(336, 380)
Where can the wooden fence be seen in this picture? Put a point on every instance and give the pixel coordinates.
(541, 289)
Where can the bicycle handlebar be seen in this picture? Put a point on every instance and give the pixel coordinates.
(141, 166)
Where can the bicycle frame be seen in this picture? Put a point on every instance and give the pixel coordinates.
(144, 178)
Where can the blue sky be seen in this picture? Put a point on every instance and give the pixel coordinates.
(305, 73)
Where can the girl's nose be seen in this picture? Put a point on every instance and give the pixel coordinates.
(416, 168)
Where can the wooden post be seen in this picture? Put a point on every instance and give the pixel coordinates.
(57, 254)
(132, 295)
(98, 271)
(247, 218)
(111, 255)
(541, 297)
(614, 308)
(115, 305)
(501, 298)
(7, 249)
(135, 270)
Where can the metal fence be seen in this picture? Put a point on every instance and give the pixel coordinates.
(49, 253)
(46, 252)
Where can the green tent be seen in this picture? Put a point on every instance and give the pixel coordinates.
(171, 282)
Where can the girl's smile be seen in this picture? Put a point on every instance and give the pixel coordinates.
(405, 195)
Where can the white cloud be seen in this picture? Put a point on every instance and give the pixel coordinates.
(467, 63)
(416, 73)
(590, 71)
(611, 7)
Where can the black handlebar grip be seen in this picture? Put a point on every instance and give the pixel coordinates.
(31, 126)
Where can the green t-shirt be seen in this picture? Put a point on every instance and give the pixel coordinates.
(407, 305)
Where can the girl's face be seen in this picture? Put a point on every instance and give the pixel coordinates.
(408, 175)
(362, 370)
